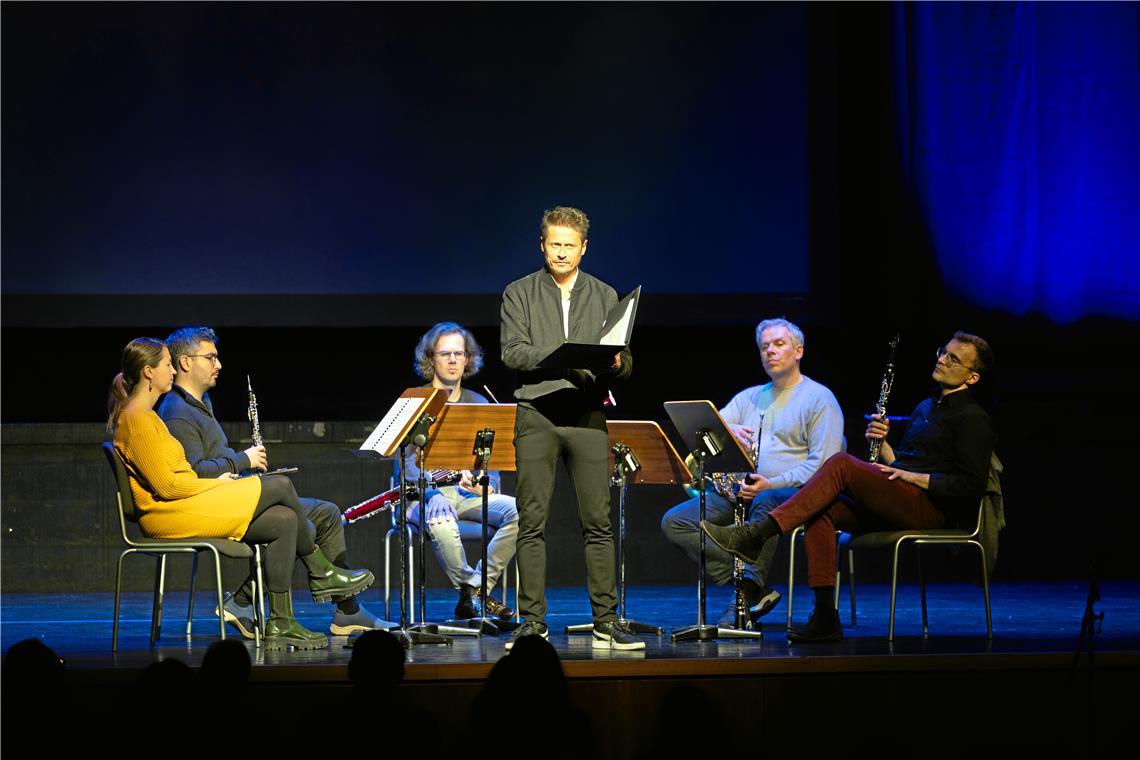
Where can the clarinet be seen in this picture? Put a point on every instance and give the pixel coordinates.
(254, 422)
(884, 394)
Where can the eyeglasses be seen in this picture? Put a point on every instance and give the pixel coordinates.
(951, 359)
(450, 354)
(212, 358)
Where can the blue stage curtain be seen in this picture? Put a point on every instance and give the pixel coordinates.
(1020, 130)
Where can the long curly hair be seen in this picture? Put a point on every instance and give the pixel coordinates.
(425, 350)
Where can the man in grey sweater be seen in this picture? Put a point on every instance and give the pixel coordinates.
(560, 417)
(798, 424)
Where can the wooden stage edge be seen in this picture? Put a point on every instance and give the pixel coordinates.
(676, 668)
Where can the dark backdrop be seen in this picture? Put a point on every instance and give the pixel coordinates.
(1061, 394)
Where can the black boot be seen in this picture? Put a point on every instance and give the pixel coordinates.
(326, 580)
(743, 541)
(283, 631)
(465, 608)
(822, 625)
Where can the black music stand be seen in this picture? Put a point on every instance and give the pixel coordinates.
(458, 424)
(714, 449)
(640, 454)
(406, 423)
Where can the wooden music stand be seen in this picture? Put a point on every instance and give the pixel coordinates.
(715, 449)
(406, 423)
(640, 453)
(462, 439)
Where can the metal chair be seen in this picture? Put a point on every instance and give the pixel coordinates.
(945, 537)
(159, 548)
(468, 532)
(842, 540)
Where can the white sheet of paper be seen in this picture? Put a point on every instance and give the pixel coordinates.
(615, 335)
(383, 437)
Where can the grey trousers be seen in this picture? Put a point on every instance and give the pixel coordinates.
(329, 534)
(584, 448)
(681, 525)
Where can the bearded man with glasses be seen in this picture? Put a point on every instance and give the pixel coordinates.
(189, 415)
(934, 479)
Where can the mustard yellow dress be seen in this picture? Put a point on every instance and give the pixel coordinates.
(173, 501)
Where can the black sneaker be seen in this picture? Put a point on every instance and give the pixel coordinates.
(529, 628)
(769, 598)
(615, 635)
(239, 617)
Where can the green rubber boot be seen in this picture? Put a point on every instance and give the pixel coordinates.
(283, 631)
(326, 580)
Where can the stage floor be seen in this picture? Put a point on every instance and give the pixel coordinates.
(1030, 621)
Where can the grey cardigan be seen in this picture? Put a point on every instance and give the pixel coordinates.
(531, 327)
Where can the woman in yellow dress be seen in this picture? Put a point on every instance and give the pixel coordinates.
(174, 502)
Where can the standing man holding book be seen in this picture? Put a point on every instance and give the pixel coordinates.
(560, 417)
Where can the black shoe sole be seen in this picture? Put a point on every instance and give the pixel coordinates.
(759, 610)
(802, 638)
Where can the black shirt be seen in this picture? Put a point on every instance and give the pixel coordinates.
(951, 438)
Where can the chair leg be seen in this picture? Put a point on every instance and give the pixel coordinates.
(388, 575)
(412, 577)
(259, 597)
(921, 588)
(118, 599)
(851, 582)
(894, 590)
(518, 585)
(792, 572)
(986, 589)
(190, 605)
(218, 579)
(156, 602)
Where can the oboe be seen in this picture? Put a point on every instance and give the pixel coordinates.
(252, 414)
(884, 394)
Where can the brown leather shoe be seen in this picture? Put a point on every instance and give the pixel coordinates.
(493, 608)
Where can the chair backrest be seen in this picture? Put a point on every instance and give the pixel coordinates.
(128, 511)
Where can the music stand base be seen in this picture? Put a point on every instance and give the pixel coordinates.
(456, 628)
(633, 625)
(424, 633)
(407, 637)
(637, 627)
(483, 626)
(712, 632)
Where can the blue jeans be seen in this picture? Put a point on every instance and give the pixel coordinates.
(681, 525)
(502, 519)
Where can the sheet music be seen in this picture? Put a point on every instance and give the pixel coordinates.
(618, 333)
(383, 438)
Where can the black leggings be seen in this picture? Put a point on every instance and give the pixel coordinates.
(280, 523)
